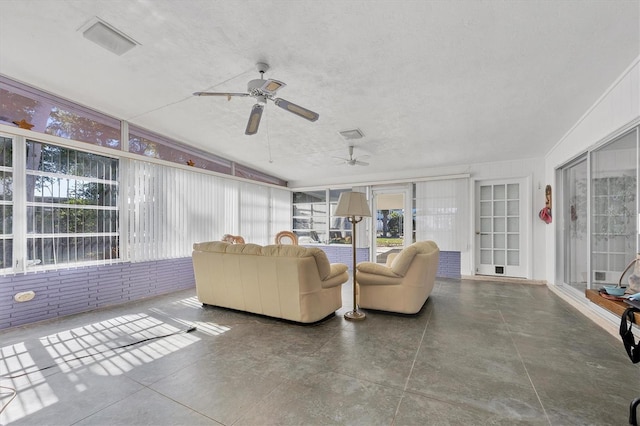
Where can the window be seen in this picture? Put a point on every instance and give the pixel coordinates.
(311, 222)
(6, 202)
(340, 230)
(310, 216)
(151, 145)
(55, 116)
(47, 113)
(62, 205)
(71, 205)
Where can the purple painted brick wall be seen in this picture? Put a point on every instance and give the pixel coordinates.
(448, 265)
(344, 254)
(71, 291)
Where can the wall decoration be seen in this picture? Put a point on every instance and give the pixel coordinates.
(545, 213)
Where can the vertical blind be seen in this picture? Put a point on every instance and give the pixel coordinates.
(169, 209)
(442, 213)
(254, 213)
(281, 211)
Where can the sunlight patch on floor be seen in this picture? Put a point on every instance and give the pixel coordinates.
(20, 372)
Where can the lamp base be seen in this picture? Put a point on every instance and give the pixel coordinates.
(355, 315)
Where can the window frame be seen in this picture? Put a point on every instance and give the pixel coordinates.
(21, 237)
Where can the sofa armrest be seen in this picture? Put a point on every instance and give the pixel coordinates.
(376, 269)
(337, 269)
(337, 276)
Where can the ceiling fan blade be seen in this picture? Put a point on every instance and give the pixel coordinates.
(254, 119)
(296, 109)
(271, 86)
(361, 163)
(227, 94)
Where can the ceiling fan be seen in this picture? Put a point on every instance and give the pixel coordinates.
(353, 161)
(261, 90)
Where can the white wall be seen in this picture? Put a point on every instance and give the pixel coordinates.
(617, 110)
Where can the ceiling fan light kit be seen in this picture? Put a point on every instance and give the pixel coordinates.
(263, 90)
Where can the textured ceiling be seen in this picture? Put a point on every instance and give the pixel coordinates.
(429, 83)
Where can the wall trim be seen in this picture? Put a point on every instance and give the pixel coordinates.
(511, 280)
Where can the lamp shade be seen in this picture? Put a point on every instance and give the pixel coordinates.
(352, 204)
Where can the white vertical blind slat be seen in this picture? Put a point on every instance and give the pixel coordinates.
(442, 212)
(170, 209)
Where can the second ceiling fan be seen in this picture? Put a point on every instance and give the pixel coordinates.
(263, 90)
(354, 161)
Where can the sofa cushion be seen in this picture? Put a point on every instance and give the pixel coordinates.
(244, 248)
(324, 267)
(284, 250)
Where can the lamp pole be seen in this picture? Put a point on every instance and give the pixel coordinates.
(351, 205)
(354, 315)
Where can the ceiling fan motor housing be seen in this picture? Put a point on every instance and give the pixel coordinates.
(255, 85)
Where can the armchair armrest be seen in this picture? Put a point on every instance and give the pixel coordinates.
(376, 269)
(390, 258)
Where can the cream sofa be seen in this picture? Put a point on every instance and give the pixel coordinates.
(403, 284)
(283, 281)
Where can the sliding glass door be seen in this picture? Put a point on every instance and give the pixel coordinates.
(574, 217)
(613, 208)
(598, 215)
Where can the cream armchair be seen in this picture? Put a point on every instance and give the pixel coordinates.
(404, 284)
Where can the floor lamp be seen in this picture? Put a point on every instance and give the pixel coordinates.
(353, 206)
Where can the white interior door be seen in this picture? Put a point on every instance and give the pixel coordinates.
(502, 223)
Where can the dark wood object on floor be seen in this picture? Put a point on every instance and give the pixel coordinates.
(616, 307)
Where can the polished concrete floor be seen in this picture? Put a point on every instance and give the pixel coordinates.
(478, 353)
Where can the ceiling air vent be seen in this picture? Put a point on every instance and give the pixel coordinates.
(108, 37)
(351, 134)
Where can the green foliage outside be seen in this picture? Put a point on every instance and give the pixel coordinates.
(389, 242)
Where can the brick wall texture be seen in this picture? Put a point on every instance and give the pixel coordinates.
(71, 291)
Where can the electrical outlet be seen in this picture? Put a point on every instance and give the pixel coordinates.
(24, 296)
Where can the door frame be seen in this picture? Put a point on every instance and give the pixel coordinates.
(407, 191)
(526, 223)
